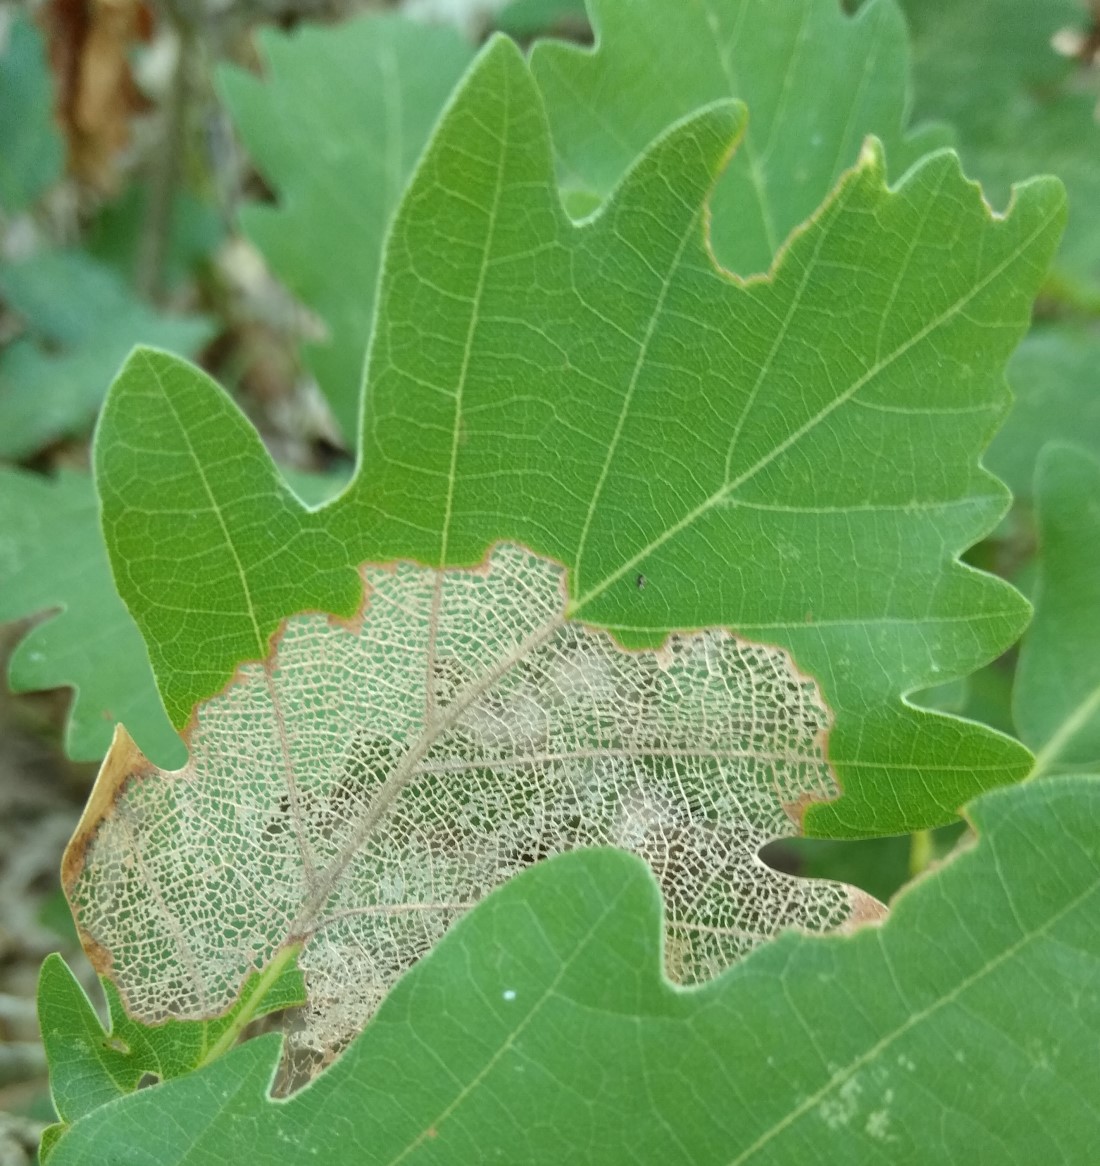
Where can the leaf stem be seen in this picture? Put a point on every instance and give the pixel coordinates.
(1065, 732)
(921, 852)
(166, 167)
(252, 1001)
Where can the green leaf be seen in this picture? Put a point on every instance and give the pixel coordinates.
(1056, 699)
(91, 1065)
(816, 82)
(989, 697)
(1055, 378)
(336, 126)
(31, 150)
(879, 866)
(52, 557)
(540, 1030)
(212, 499)
(745, 449)
(1016, 37)
(82, 321)
(794, 457)
(990, 68)
(528, 18)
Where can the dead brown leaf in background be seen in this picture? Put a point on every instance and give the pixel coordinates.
(90, 42)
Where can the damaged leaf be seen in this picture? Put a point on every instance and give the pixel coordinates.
(794, 456)
(366, 785)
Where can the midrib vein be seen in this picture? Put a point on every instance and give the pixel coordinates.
(407, 768)
(435, 722)
(1067, 729)
(456, 429)
(464, 368)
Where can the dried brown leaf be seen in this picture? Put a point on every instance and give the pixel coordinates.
(90, 43)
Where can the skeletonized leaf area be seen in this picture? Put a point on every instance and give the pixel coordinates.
(365, 785)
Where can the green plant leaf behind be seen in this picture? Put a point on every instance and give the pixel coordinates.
(81, 320)
(794, 457)
(816, 82)
(195, 232)
(91, 1066)
(335, 126)
(52, 558)
(31, 150)
(528, 18)
(991, 68)
(1056, 698)
(541, 1031)
(1055, 379)
(53, 563)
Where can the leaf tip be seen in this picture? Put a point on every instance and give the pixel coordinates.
(53, 969)
(872, 157)
(499, 52)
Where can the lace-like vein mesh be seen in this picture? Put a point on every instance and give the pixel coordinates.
(365, 787)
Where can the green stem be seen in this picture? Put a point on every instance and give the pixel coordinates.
(164, 180)
(251, 1001)
(921, 852)
(1066, 731)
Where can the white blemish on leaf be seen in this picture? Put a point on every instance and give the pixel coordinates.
(838, 1109)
